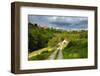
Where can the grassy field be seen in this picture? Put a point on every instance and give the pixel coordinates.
(42, 42)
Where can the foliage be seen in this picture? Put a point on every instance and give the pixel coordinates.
(76, 49)
(38, 37)
(41, 56)
(41, 37)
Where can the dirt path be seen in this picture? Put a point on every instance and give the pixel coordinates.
(52, 56)
(60, 55)
(57, 54)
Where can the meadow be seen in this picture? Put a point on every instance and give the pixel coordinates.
(49, 44)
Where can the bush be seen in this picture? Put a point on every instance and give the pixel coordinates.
(76, 49)
(38, 37)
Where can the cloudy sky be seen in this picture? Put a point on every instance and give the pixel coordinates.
(60, 22)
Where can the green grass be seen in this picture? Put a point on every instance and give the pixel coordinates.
(76, 49)
(41, 56)
(41, 43)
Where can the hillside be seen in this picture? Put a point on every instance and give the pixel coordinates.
(48, 43)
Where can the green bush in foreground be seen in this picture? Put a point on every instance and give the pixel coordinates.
(44, 55)
(76, 49)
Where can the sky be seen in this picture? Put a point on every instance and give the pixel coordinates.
(60, 22)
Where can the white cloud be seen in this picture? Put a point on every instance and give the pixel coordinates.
(60, 21)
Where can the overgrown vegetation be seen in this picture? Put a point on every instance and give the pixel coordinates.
(76, 49)
(42, 56)
(41, 37)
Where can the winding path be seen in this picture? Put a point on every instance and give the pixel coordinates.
(57, 54)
